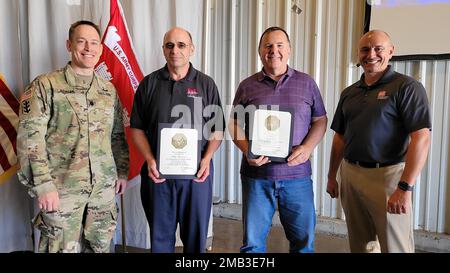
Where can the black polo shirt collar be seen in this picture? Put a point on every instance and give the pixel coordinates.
(387, 77)
(164, 74)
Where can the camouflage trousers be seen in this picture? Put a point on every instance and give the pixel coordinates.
(84, 222)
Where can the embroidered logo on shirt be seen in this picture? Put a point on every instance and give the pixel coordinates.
(192, 92)
(382, 95)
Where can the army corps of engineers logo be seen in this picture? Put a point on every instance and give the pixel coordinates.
(272, 123)
(179, 141)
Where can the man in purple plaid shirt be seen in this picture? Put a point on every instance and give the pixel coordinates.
(266, 184)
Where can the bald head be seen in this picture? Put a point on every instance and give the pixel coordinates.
(177, 31)
(378, 34)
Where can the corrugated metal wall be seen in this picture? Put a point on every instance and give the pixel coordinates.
(323, 34)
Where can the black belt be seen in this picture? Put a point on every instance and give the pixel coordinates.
(369, 164)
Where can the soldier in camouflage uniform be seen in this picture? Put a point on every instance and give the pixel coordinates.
(72, 149)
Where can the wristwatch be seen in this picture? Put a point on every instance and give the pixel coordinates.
(405, 186)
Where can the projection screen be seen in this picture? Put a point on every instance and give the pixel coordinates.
(420, 29)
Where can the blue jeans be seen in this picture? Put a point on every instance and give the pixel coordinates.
(296, 207)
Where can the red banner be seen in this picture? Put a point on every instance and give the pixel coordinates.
(118, 64)
(9, 119)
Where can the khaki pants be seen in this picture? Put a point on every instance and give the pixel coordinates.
(364, 196)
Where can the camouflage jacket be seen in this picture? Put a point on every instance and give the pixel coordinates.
(70, 134)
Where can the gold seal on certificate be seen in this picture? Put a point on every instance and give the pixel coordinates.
(179, 141)
(178, 152)
(271, 134)
(272, 123)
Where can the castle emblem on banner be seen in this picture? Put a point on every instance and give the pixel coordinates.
(102, 71)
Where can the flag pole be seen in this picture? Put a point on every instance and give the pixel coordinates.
(122, 210)
(118, 59)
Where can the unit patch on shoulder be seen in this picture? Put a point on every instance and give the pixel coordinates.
(25, 102)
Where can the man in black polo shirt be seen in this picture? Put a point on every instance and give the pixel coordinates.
(177, 93)
(382, 126)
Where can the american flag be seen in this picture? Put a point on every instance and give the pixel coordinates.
(9, 119)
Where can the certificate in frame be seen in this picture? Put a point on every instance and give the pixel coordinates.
(271, 134)
(178, 155)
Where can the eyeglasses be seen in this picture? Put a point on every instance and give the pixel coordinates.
(366, 49)
(180, 45)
